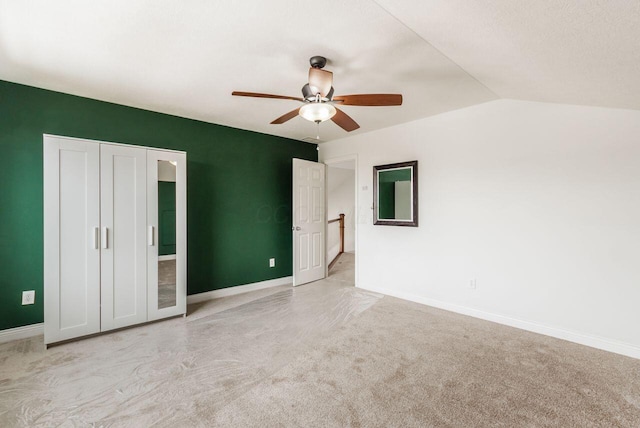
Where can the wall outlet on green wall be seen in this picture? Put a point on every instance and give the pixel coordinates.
(272, 262)
(28, 297)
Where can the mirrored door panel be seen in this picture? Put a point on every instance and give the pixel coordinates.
(167, 233)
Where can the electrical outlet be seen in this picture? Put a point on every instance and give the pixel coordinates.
(28, 297)
(272, 262)
(473, 284)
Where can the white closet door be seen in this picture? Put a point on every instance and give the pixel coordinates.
(167, 291)
(123, 220)
(71, 241)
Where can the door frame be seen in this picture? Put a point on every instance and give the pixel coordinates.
(340, 159)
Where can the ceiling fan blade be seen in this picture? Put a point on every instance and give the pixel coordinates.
(344, 121)
(258, 95)
(285, 117)
(320, 81)
(369, 100)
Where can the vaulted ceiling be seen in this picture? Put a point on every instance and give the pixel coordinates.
(185, 58)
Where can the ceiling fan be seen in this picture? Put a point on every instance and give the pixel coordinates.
(318, 99)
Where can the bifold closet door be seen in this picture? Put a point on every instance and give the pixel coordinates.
(123, 208)
(71, 238)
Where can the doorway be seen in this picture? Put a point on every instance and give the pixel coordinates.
(342, 218)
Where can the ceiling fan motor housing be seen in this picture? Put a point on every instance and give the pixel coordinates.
(318, 61)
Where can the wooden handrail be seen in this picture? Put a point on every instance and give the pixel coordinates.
(341, 220)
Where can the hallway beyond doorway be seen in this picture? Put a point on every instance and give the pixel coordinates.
(344, 268)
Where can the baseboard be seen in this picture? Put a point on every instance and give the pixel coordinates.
(21, 332)
(38, 329)
(167, 257)
(571, 336)
(230, 291)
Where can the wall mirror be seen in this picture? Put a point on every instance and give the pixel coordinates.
(395, 194)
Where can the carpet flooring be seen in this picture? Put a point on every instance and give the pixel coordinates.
(324, 354)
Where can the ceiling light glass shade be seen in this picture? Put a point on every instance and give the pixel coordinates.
(317, 112)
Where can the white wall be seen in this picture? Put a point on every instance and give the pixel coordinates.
(340, 199)
(539, 203)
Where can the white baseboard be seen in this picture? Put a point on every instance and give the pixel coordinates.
(38, 329)
(230, 291)
(167, 257)
(21, 332)
(571, 336)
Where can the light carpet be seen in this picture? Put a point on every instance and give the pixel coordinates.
(321, 355)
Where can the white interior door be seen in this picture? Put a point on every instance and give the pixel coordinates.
(71, 238)
(309, 221)
(123, 209)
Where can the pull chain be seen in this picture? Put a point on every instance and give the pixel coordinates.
(318, 132)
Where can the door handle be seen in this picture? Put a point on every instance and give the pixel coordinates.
(296, 228)
(105, 237)
(96, 238)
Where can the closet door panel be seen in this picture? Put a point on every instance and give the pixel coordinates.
(72, 254)
(167, 226)
(123, 219)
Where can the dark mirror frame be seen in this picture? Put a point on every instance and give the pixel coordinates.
(414, 193)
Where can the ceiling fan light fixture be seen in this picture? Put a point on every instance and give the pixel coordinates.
(317, 112)
(317, 99)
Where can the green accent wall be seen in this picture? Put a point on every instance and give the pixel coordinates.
(166, 218)
(238, 190)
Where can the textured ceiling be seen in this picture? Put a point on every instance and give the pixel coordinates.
(185, 58)
(563, 51)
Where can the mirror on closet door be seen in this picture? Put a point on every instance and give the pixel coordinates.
(167, 246)
(166, 234)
